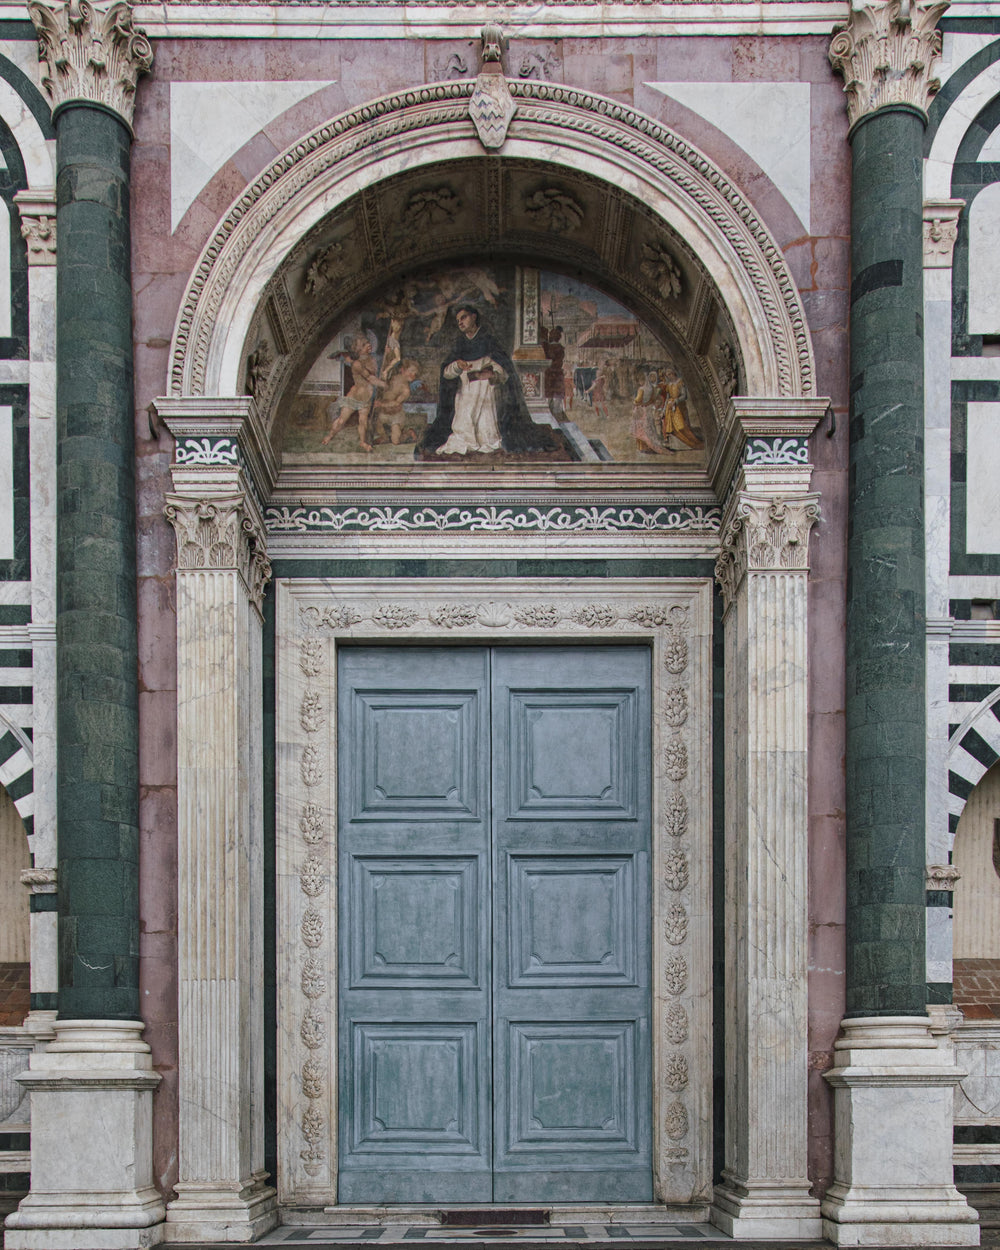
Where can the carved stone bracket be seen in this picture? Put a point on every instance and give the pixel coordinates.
(221, 533)
(39, 880)
(887, 53)
(764, 534)
(38, 224)
(940, 231)
(90, 51)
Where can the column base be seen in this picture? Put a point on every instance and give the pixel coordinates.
(91, 1142)
(893, 1110)
(766, 1212)
(207, 1212)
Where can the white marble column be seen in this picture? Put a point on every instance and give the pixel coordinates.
(222, 1194)
(763, 572)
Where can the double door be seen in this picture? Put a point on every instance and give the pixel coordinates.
(494, 902)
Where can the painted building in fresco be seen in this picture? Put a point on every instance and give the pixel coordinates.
(499, 580)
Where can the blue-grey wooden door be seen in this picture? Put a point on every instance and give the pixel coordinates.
(494, 924)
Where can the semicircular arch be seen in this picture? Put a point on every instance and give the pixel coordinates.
(430, 125)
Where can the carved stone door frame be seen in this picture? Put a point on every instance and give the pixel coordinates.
(674, 616)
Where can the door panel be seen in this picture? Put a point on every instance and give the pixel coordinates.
(415, 1037)
(571, 950)
(495, 948)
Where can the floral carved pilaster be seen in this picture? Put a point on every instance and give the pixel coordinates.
(219, 534)
(887, 54)
(90, 52)
(764, 533)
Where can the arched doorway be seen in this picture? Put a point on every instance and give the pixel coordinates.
(587, 196)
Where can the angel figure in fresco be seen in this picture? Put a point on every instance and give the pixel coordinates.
(674, 420)
(389, 406)
(360, 399)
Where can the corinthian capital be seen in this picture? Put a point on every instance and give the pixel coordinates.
(223, 532)
(90, 51)
(764, 534)
(887, 53)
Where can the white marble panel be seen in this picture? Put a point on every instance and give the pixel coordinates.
(37, 152)
(939, 943)
(210, 121)
(990, 151)
(977, 1050)
(982, 518)
(975, 368)
(975, 587)
(937, 832)
(770, 122)
(984, 262)
(6, 479)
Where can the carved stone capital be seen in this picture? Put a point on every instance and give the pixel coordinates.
(39, 880)
(221, 533)
(764, 534)
(940, 231)
(887, 53)
(942, 877)
(90, 51)
(38, 225)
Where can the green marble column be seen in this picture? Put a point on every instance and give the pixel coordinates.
(91, 58)
(886, 725)
(98, 727)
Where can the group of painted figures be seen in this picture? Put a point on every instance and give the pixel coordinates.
(481, 406)
(659, 413)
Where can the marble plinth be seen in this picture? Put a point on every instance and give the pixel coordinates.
(91, 1142)
(893, 1178)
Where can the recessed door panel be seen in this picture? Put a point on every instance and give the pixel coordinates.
(494, 919)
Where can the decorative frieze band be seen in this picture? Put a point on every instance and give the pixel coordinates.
(765, 533)
(887, 53)
(473, 519)
(940, 231)
(90, 51)
(38, 225)
(221, 533)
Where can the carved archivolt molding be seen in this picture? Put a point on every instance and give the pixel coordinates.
(887, 53)
(765, 534)
(221, 533)
(90, 51)
(556, 120)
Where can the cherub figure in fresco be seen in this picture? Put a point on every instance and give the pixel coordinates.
(390, 406)
(359, 399)
(675, 415)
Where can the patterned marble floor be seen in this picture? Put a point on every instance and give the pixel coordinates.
(426, 1236)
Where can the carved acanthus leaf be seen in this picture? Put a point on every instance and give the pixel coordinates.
(38, 225)
(553, 210)
(221, 533)
(661, 271)
(887, 53)
(765, 534)
(90, 51)
(940, 232)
